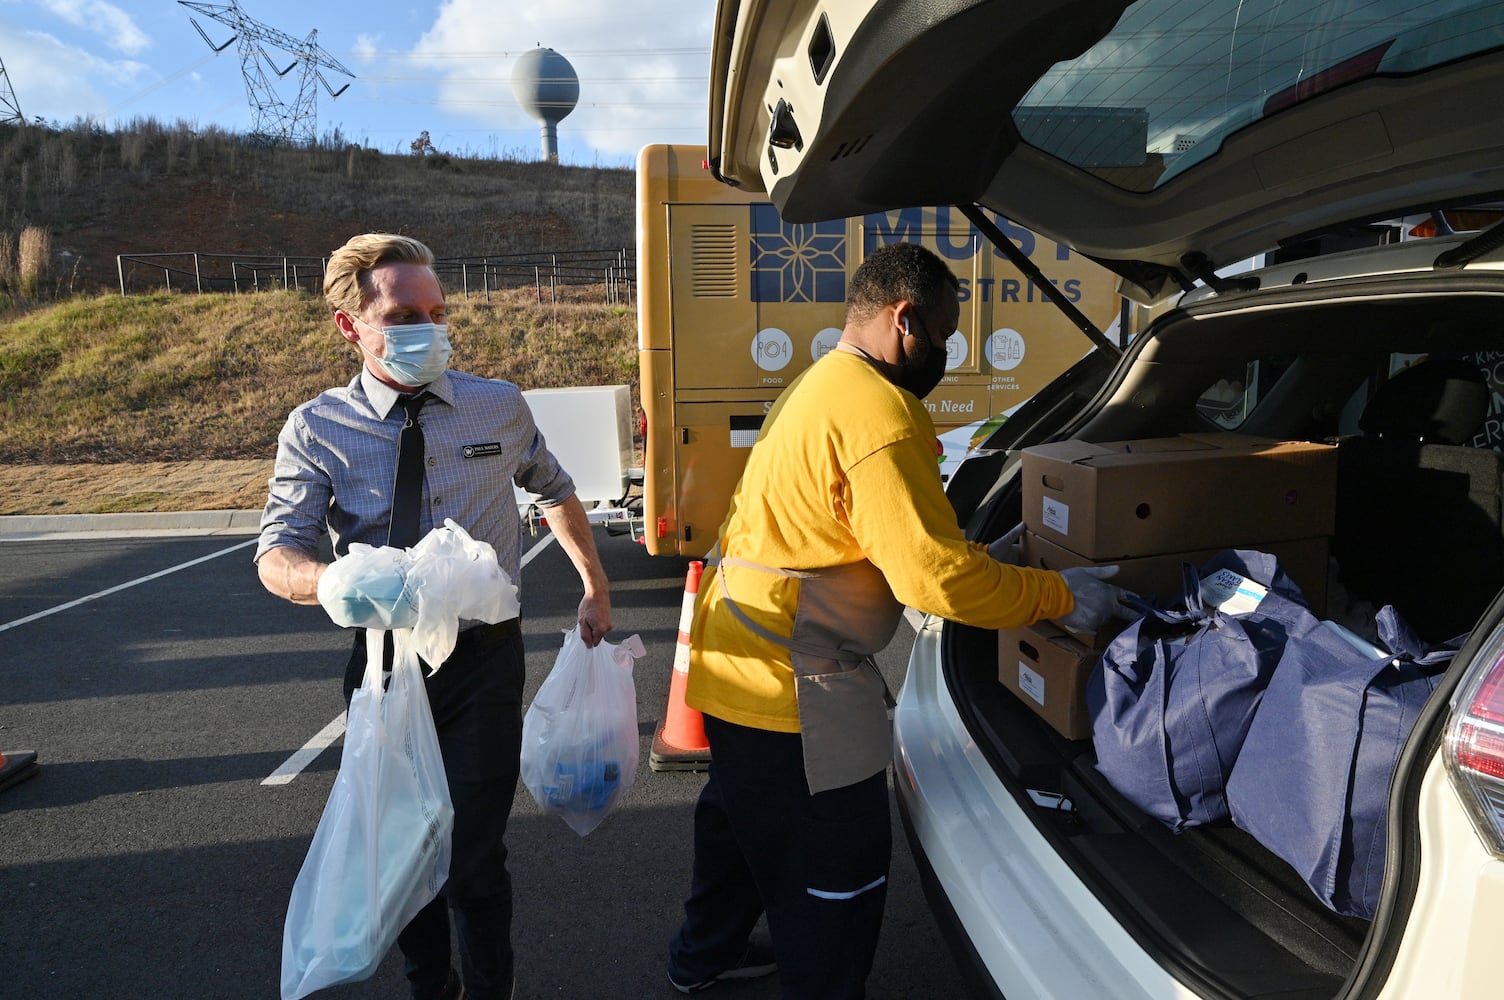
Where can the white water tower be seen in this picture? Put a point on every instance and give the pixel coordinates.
(548, 89)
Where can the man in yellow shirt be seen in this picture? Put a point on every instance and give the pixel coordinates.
(839, 521)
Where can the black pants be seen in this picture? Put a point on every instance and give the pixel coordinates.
(476, 700)
(817, 864)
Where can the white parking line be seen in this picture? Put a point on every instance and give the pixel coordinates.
(320, 742)
(295, 764)
(122, 586)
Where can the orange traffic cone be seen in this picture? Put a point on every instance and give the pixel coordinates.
(680, 744)
(16, 768)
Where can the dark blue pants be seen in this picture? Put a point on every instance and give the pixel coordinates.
(816, 864)
(476, 700)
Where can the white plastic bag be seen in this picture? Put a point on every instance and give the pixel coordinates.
(368, 589)
(381, 851)
(455, 578)
(445, 578)
(579, 737)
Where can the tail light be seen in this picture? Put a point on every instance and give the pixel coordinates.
(1475, 743)
(1424, 230)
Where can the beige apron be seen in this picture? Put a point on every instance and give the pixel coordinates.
(845, 615)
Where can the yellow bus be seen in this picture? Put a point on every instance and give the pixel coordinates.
(734, 303)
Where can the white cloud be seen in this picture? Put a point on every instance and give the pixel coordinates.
(366, 47)
(61, 82)
(642, 73)
(109, 22)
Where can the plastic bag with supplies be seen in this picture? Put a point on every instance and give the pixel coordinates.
(368, 588)
(579, 737)
(457, 578)
(446, 578)
(381, 851)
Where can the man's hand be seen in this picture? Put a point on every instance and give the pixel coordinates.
(291, 574)
(571, 526)
(595, 619)
(1096, 602)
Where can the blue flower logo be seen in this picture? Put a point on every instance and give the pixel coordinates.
(804, 262)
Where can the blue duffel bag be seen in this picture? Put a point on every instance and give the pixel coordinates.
(1312, 782)
(1173, 695)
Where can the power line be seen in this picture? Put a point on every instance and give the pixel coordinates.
(703, 78)
(634, 53)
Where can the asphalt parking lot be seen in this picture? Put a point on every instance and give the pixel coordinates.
(161, 688)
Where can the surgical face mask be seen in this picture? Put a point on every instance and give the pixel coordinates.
(923, 364)
(415, 354)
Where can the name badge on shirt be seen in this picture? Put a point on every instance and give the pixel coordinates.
(481, 450)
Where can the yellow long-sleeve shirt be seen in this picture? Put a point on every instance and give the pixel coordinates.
(844, 470)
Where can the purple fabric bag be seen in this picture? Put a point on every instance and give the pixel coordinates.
(1174, 694)
(1312, 781)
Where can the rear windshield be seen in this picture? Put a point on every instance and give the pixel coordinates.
(1176, 77)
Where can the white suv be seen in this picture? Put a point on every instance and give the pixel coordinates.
(1171, 140)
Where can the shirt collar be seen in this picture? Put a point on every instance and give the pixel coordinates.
(384, 397)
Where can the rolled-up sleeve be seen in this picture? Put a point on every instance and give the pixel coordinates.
(298, 493)
(540, 473)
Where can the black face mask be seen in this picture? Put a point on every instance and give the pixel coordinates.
(923, 365)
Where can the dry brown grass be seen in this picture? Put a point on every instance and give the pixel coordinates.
(111, 379)
(34, 253)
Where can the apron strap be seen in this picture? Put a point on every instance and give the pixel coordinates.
(714, 558)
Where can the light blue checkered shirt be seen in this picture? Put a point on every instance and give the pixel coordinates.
(337, 456)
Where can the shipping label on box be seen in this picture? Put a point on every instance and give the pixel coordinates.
(1048, 669)
(1120, 499)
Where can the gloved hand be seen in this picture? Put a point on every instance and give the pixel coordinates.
(1096, 602)
(1007, 548)
(368, 589)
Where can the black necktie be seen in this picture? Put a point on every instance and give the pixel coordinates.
(407, 486)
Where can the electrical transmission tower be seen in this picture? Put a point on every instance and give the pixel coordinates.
(10, 108)
(273, 119)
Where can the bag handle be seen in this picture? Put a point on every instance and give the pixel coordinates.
(1399, 638)
(375, 655)
(1190, 584)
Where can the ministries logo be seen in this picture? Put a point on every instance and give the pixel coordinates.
(803, 262)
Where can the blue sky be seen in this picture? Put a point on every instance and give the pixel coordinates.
(444, 67)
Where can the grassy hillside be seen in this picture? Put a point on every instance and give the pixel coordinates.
(157, 188)
(173, 402)
(169, 377)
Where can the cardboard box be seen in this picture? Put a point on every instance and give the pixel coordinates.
(1305, 559)
(1047, 668)
(1118, 499)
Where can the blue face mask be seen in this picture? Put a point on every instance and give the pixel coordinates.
(416, 353)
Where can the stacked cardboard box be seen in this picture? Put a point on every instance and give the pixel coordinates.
(1149, 506)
